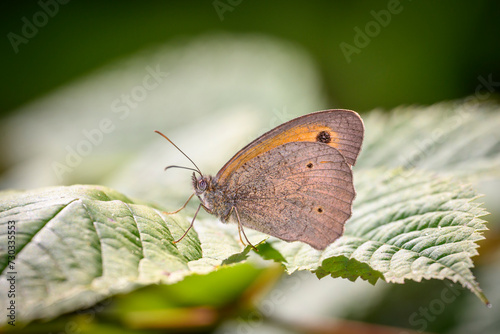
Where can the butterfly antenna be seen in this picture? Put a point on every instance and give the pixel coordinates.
(181, 167)
(197, 169)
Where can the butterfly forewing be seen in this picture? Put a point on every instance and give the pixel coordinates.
(338, 128)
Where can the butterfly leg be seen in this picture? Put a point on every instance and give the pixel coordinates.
(241, 230)
(185, 204)
(192, 222)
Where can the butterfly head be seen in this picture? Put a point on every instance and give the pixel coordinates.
(201, 183)
(203, 187)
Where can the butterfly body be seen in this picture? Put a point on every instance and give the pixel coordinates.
(213, 197)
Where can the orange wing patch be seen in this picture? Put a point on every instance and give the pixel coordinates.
(300, 133)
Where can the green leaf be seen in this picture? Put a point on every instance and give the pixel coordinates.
(77, 245)
(458, 138)
(268, 252)
(238, 257)
(341, 266)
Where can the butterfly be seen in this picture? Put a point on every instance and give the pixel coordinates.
(294, 182)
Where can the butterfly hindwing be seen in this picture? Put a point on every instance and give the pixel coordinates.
(296, 191)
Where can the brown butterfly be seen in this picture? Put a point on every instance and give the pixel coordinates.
(293, 182)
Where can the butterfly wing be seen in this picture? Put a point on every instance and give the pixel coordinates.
(341, 129)
(297, 191)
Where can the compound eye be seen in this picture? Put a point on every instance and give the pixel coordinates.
(202, 185)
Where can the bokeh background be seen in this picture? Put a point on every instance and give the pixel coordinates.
(253, 63)
(428, 52)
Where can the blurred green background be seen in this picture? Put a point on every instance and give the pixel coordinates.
(425, 52)
(430, 51)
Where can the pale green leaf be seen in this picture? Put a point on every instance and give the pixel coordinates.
(406, 225)
(459, 138)
(77, 245)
